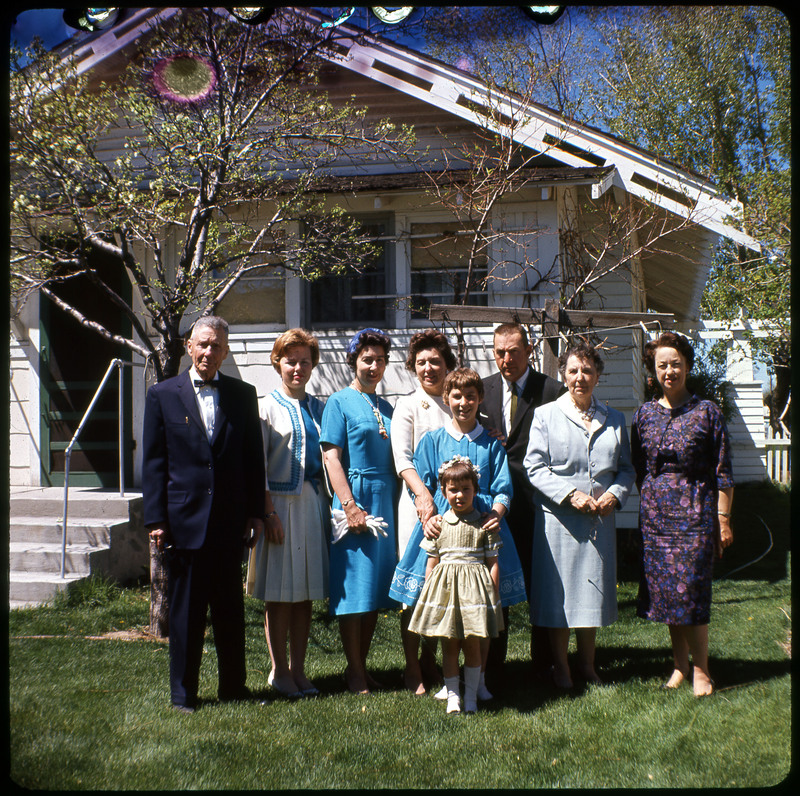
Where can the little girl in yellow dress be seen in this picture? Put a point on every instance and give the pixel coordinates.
(459, 601)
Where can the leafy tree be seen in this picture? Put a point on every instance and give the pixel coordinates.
(222, 135)
(709, 87)
(523, 66)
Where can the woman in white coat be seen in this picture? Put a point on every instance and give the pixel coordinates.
(579, 462)
(430, 359)
(288, 567)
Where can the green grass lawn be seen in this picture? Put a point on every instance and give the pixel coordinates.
(90, 711)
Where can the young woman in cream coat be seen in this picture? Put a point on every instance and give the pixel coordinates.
(288, 568)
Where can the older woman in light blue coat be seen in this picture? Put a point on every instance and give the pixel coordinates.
(579, 462)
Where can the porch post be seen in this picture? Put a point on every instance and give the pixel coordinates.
(550, 338)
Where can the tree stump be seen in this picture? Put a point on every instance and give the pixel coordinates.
(159, 606)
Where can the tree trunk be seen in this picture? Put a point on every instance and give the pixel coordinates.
(159, 608)
(779, 398)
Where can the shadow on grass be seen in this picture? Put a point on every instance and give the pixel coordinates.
(622, 666)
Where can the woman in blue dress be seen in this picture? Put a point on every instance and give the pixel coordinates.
(464, 436)
(358, 458)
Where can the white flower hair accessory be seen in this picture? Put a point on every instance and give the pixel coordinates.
(459, 459)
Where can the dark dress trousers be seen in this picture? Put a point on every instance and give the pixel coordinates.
(539, 389)
(203, 491)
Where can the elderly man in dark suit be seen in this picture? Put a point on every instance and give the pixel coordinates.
(510, 397)
(203, 485)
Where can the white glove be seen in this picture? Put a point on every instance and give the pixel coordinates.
(376, 525)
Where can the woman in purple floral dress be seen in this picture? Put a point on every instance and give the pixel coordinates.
(680, 449)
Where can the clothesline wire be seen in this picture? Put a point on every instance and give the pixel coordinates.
(758, 558)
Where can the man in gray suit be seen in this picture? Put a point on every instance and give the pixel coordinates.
(510, 397)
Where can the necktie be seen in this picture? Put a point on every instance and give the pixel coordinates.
(513, 402)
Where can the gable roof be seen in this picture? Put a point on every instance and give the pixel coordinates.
(640, 173)
(587, 155)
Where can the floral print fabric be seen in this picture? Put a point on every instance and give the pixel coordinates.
(682, 459)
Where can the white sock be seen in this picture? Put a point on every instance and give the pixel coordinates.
(484, 694)
(453, 697)
(472, 675)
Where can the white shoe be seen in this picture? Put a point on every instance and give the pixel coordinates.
(451, 684)
(453, 702)
(442, 694)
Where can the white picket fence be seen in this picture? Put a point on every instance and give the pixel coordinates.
(779, 456)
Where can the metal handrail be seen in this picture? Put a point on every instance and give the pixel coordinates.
(114, 364)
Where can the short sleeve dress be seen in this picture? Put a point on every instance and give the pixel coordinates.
(682, 460)
(494, 486)
(361, 565)
(458, 599)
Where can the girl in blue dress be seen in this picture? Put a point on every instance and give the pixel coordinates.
(464, 436)
(358, 458)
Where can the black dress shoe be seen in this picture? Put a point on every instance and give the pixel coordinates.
(239, 695)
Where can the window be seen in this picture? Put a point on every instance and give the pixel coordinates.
(257, 297)
(440, 267)
(355, 299)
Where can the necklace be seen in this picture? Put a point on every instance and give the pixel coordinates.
(375, 411)
(587, 415)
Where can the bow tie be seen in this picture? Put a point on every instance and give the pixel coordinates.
(200, 383)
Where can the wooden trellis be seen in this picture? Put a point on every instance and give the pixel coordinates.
(553, 319)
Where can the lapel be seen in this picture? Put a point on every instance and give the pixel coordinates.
(189, 399)
(223, 408)
(570, 411)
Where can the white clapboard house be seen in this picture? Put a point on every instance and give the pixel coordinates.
(577, 164)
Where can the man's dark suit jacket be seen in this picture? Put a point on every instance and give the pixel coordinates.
(204, 491)
(194, 485)
(539, 389)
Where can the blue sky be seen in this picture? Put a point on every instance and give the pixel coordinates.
(47, 23)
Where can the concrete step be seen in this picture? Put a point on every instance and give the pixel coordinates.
(48, 502)
(105, 535)
(79, 559)
(80, 530)
(31, 589)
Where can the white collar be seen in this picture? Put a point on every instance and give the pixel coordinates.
(458, 435)
(426, 396)
(453, 519)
